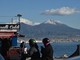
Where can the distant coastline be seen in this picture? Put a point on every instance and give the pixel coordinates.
(57, 39)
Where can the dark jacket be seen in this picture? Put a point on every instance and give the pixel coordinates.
(47, 52)
(34, 53)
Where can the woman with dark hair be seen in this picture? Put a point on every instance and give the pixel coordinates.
(33, 51)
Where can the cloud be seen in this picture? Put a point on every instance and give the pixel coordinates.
(26, 21)
(61, 11)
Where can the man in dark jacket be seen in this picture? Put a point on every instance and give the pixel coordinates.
(47, 51)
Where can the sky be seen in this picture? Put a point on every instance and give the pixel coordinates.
(66, 11)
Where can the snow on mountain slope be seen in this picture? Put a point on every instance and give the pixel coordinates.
(51, 21)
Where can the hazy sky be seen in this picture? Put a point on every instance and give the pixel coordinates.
(66, 11)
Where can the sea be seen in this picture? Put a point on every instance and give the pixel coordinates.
(61, 48)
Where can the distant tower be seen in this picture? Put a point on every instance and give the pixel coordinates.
(19, 15)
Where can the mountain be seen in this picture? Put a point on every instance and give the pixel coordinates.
(50, 29)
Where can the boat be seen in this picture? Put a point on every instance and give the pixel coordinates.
(8, 39)
(76, 53)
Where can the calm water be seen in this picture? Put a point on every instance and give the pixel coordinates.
(62, 48)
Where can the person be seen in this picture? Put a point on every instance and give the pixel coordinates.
(22, 45)
(33, 51)
(47, 50)
(22, 48)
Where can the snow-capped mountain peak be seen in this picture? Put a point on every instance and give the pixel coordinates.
(50, 21)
